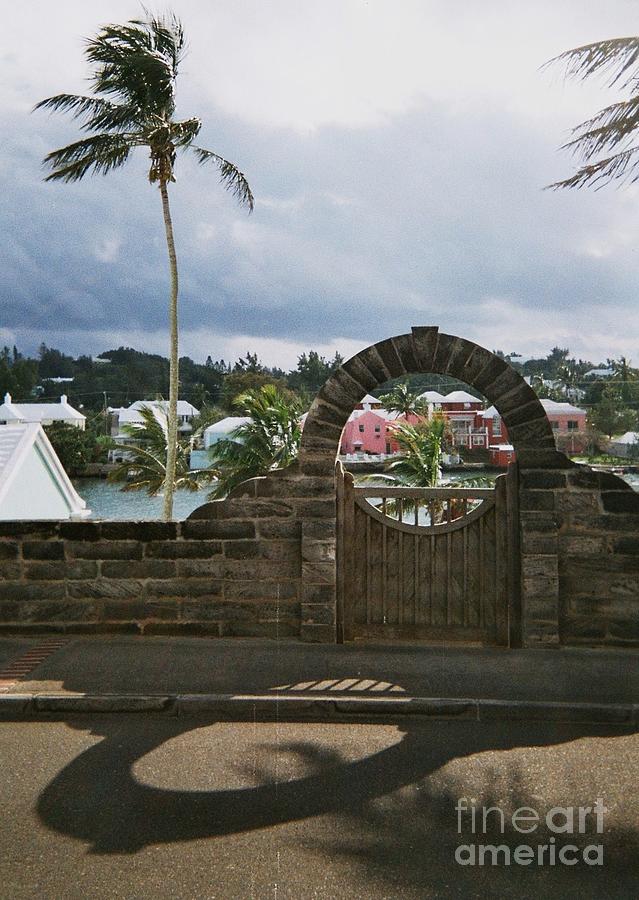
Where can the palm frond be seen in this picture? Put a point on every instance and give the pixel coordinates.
(102, 153)
(624, 166)
(230, 176)
(100, 113)
(617, 57)
(183, 133)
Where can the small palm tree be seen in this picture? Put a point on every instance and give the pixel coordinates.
(144, 465)
(135, 69)
(609, 132)
(269, 440)
(402, 399)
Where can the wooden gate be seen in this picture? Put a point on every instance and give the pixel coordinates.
(432, 564)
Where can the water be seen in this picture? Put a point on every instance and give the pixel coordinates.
(107, 501)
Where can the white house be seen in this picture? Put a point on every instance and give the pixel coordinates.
(33, 483)
(221, 430)
(131, 415)
(625, 445)
(41, 413)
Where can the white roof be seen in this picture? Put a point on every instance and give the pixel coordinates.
(184, 408)
(224, 426)
(15, 446)
(38, 412)
(630, 437)
(491, 413)
(460, 397)
(600, 373)
(432, 396)
(558, 408)
(501, 447)
(369, 399)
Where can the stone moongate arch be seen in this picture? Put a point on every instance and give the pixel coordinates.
(424, 350)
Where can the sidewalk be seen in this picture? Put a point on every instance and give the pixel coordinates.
(254, 677)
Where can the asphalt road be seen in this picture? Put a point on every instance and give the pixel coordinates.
(137, 807)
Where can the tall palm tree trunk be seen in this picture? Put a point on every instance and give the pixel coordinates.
(169, 483)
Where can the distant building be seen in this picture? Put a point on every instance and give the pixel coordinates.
(223, 429)
(600, 373)
(33, 483)
(626, 445)
(41, 413)
(132, 415)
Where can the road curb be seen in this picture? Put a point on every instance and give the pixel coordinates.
(283, 707)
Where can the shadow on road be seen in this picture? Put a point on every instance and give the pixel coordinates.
(398, 815)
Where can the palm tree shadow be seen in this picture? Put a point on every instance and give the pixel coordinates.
(97, 798)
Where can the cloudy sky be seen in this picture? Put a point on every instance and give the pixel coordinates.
(397, 150)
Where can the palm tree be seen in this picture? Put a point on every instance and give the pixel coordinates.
(135, 67)
(144, 466)
(405, 401)
(269, 440)
(608, 132)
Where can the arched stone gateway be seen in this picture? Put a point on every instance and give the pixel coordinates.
(567, 517)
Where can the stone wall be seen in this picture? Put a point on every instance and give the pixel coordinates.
(591, 520)
(233, 568)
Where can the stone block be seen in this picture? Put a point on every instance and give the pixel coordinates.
(536, 522)
(315, 509)
(242, 549)
(184, 588)
(9, 549)
(192, 629)
(41, 550)
(19, 529)
(259, 509)
(246, 489)
(319, 572)
(542, 501)
(319, 529)
(14, 590)
(316, 428)
(476, 362)
(342, 390)
(200, 568)
(261, 590)
(318, 593)
(492, 369)
(323, 464)
(543, 458)
(183, 549)
(355, 368)
(140, 531)
(628, 544)
(81, 531)
(309, 486)
(330, 412)
(584, 477)
(506, 380)
(519, 409)
(276, 629)
(446, 345)
(317, 614)
(403, 344)
(215, 509)
(62, 611)
(390, 358)
(102, 549)
(279, 528)
(104, 589)
(375, 364)
(584, 545)
(318, 551)
(219, 610)
(10, 571)
(621, 502)
(540, 587)
(542, 480)
(535, 434)
(134, 568)
(539, 566)
(203, 529)
(270, 570)
(59, 570)
(424, 346)
(581, 502)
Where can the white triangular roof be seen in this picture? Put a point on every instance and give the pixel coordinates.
(460, 397)
(432, 396)
(369, 399)
(557, 407)
(37, 412)
(16, 444)
(491, 413)
(184, 408)
(630, 437)
(224, 426)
